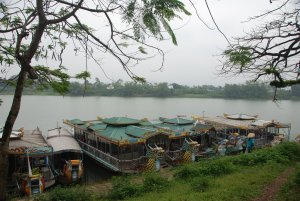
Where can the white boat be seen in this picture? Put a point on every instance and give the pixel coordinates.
(67, 155)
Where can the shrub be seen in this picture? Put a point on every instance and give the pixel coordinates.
(297, 178)
(216, 167)
(154, 182)
(200, 184)
(77, 193)
(123, 188)
(289, 149)
(186, 172)
(260, 157)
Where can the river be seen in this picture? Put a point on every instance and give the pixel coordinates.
(47, 112)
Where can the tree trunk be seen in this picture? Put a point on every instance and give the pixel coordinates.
(4, 143)
(3, 169)
(24, 61)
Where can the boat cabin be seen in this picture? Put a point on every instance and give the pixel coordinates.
(243, 124)
(126, 145)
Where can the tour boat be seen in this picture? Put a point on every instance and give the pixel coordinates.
(236, 127)
(29, 165)
(125, 144)
(67, 155)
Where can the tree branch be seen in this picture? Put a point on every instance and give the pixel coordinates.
(88, 9)
(67, 16)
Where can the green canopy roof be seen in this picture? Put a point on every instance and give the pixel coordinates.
(84, 127)
(77, 121)
(179, 121)
(146, 123)
(95, 122)
(116, 134)
(140, 132)
(121, 121)
(202, 127)
(96, 127)
(176, 129)
(128, 130)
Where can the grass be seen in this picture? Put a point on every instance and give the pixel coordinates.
(291, 190)
(74, 193)
(243, 184)
(234, 178)
(124, 187)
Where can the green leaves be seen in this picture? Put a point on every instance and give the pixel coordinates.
(167, 8)
(130, 10)
(29, 10)
(17, 21)
(169, 30)
(3, 7)
(139, 79)
(156, 15)
(163, 11)
(239, 56)
(151, 23)
(142, 50)
(63, 11)
(278, 81)
(242, 56)
(56, 79)
(61, 87)
(6, 60)
(83, 75)
(284, 83)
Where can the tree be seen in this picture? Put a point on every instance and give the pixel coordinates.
(295, 90)
(162, 90)
(271, 50)
(33, 31)
(249, 90)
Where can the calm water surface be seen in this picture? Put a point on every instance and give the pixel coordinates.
(48, 111)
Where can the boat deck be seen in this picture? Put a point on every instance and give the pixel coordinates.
(112, 163)
(62, 141)
(29, 139)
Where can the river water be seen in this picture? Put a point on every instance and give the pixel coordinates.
(47, 112)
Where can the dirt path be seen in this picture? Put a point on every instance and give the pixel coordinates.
(273, 188)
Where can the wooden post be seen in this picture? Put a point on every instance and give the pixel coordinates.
(110, 152)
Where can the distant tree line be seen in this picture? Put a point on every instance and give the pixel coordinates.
(248, 90)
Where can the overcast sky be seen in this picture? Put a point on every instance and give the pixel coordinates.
(195, 60)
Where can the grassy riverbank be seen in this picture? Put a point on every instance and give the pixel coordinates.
(241, 177)
(290, 191)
